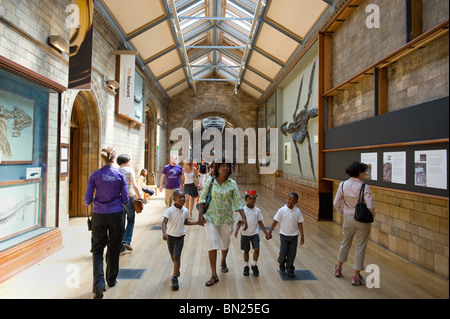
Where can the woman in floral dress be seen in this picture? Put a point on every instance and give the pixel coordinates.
(218, 219)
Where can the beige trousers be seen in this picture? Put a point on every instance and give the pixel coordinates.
(362, 231)
(168, 196)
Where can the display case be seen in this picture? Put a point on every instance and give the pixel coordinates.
(29, 155)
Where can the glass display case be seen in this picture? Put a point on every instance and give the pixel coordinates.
(28, 158)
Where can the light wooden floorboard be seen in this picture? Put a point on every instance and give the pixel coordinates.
(53, 277)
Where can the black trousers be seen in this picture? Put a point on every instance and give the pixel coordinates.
(288, 251)
(107, 231)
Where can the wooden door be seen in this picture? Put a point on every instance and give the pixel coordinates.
(74, 160)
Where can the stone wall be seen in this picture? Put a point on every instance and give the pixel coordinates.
(356, 47)
(418, 77)
(421, 76)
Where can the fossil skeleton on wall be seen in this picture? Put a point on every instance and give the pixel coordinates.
(21, 121)
(299, 127)
(16, 208)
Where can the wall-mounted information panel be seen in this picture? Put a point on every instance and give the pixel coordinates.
(405, 149)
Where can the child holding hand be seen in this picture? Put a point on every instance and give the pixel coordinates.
(290, 219)
(250, 235)
(174, 230)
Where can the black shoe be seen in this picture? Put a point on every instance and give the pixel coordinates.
(175, 283)
(246, 271)
(255, 270)
(98, 294)
(291, 273)
(112, 284)
(282, 265)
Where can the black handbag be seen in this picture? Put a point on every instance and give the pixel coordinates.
(362, 213)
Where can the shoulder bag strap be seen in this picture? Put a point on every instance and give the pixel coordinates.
(343, 198)
(361, 194)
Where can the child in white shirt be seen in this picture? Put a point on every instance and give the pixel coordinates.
(290, 219)
(254, 218)
(173, 229)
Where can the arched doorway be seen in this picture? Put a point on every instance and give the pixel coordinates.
(151, 151)
(74, 161)
(84, 150)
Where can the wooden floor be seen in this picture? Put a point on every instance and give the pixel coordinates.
(68, 273)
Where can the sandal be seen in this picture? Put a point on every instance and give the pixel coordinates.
(224, 268)
(212, 281)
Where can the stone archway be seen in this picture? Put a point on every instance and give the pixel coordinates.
(86, 151)
(243, 173)
(218, 111)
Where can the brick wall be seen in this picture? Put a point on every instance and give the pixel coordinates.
(216, 99)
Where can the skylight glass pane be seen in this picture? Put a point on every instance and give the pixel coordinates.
(200, 61)
(188, 22)
(228, 61)
(192, 7)
(243, 24)
(245, 13)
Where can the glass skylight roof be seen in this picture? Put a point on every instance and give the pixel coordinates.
(215, 35)
(243, 24)
(188, 22)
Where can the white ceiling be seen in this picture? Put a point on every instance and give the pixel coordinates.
(150, 28)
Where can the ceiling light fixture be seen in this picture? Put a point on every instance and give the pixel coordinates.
(112, 84)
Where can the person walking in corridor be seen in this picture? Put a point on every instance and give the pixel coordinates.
(173, 174)
(291, 232)
(348, 193)
(218, 219)
(175, 218)
(110, 187)
(124, 161)
(190, 175)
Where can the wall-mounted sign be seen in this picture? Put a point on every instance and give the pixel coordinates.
(126, 79)
(371, 160)
(394, 167)
(64, 160)
(430, 168)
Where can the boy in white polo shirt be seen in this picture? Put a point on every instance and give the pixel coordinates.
(290, 219)
(254, 218)
(173, 229)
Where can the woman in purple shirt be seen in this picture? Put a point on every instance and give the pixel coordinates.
(110, 188)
